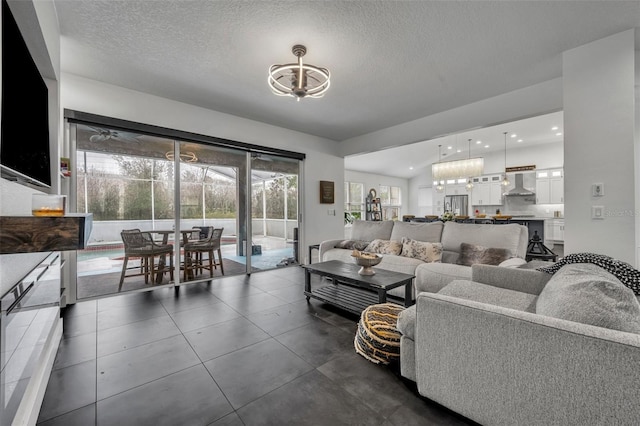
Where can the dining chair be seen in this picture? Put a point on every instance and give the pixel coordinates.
(141, 244)
(194, 250)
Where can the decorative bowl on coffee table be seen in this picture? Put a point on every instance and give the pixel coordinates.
(367, 264)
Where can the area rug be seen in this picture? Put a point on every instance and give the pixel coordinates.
(103, 284)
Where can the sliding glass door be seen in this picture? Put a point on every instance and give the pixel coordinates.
(210, 200)
(167, 211)
(274, 211)
(126, 181)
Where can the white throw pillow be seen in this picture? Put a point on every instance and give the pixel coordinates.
(384, 247)
(427, 252)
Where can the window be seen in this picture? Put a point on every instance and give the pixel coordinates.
(354, 200)
(390, 198)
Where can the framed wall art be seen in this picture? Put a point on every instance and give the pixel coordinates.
(326, 192)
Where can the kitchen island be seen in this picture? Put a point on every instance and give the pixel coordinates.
(534, 223)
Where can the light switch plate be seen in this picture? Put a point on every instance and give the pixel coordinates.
(597, 189)
(597, 212)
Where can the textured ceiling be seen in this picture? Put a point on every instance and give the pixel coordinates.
(391, 61)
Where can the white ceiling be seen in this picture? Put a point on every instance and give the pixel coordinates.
(411, 160)
(391, 61)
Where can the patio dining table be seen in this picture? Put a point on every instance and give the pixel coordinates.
(165, 240)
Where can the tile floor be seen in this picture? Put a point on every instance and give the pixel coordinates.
(236, 351)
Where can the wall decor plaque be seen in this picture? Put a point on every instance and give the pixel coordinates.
(326, 192)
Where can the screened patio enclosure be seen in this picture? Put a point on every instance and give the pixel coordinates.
(165, 187)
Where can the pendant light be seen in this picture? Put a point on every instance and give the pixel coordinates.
(469, 185)
(505, 181)
(439, 185)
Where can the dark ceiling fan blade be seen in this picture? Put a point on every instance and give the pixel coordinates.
(124, 136)
(97, 138)
(103, 135)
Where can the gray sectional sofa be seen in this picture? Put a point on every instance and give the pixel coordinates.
(431, 276)
(522, 347)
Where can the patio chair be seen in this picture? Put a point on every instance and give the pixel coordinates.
(193, 251)
(140, 244)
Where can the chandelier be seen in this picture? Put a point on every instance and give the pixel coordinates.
(299, 80)
(185, 157)
(458, 168)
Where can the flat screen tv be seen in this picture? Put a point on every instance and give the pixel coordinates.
(24, 143)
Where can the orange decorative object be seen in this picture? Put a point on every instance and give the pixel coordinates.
(48, 212)
(48, 205)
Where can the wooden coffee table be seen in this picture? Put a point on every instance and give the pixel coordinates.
(354, 292)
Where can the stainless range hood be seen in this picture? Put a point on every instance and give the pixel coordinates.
(519, 189)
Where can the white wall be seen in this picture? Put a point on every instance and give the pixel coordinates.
(321, 163)
(599, 131)
(522, 103)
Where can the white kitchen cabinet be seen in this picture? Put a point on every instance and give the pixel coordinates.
(438, 203)
(548, 233)
(487, 191)
(558, 230)
(495, 192)
(556, 190)
(549, 186)
(456, 187)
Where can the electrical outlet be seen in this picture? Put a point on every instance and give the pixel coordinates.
(597, 212)
(597, 189)
(331, 212)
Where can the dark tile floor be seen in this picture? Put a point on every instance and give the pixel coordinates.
(236, 351)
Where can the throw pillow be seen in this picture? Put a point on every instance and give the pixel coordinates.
(353, 244)
(588, 294)
(623, 271)
(470, 254)
(384, 247)
(427, 252)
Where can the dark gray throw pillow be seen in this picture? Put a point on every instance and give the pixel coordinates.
(470, 254)
(353, 244)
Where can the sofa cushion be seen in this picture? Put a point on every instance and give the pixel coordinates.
(363, 230)
(428, 252)
(511, 237)
(588, 294)
(485, 293)
(384, 247)
(470, 254)
(513, 262)
(407, 322)
(352, 245)
(338, 254)
(430, 232)
(432, 277)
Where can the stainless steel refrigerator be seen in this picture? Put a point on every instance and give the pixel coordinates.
(457, 204)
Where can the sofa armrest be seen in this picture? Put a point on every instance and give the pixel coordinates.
(524, 280)
(326, 245)
(496, 365)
